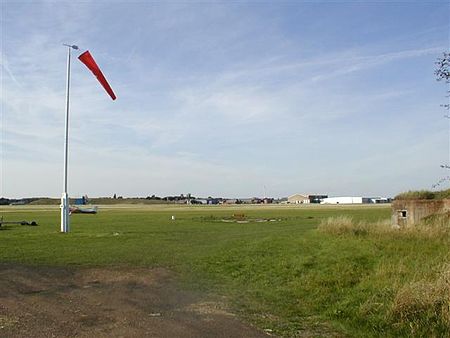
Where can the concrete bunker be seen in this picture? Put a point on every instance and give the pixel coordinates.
(408, 212)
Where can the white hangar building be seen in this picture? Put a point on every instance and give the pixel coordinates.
(342, 200)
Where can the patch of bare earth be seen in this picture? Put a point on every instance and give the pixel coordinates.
(63, 302)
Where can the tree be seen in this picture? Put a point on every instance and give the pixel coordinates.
(442, 73)
(443, 68)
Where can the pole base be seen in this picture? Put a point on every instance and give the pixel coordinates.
(65, 213)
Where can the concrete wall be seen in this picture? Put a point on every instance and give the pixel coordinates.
(406, 213)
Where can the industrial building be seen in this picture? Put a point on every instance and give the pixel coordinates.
(298, 199)
(342, 200)
(355, 200)
(303, 199)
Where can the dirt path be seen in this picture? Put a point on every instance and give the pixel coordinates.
(62, 302)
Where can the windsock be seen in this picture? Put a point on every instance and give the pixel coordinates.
(89, 61)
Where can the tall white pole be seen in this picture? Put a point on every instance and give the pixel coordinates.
(65, 196)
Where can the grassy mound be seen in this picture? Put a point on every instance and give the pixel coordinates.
(424, 195)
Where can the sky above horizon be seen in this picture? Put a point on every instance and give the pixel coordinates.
(232, 99)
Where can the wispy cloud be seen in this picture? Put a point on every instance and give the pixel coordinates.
(5, 67)
(350, 64)
(212, 99)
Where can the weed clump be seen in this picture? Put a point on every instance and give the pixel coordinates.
(434, 226)
(423, 308)
(341, 225)
(437, 226)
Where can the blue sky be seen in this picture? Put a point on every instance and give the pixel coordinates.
(225, 98)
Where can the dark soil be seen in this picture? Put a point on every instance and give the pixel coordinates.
(112, 302)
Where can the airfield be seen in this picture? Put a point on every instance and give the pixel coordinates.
(213, 271)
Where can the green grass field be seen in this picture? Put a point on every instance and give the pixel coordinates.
(283, 274)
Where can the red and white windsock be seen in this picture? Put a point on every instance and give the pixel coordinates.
(89, 61)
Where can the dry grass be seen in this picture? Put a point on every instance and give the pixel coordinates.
(436, 226)
(432, 227)
(341, 225)
(419, 306)
(7, 321)
(424, 307)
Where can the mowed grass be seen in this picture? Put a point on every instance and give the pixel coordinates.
(282, 275)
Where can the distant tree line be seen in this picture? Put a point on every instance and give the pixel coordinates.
(8, 201)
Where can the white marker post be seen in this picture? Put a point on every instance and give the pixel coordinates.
(65, 197)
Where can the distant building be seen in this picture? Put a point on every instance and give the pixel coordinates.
(304, 199)
(342, 200)
(195, 201)
(316, 198)
(379, 200)
(282, 200)
(81, 201)
(213, 201)
(298, 199)
(355, 200)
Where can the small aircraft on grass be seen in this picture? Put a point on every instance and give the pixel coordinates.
(78, 210)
